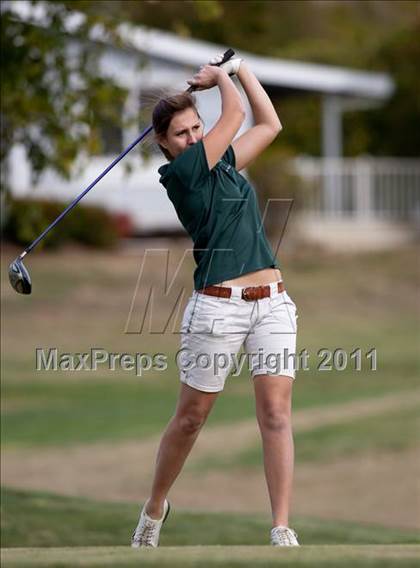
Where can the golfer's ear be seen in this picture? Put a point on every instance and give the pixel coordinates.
(161, 140)
(164, 144)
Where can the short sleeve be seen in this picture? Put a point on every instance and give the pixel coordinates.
(229, 156)
(191, 166)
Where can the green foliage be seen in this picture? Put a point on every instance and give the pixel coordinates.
(27, 218)
(301, 117)
(93, 226)
(394, 129)
(53, 102)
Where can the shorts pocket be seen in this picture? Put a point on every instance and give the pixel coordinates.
(284, 309)
(209, 315)
(187, 316)
(287, 299)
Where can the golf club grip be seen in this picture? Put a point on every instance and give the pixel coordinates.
(228, 54)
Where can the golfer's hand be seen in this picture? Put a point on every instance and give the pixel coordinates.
(206, 78)
(231, 66)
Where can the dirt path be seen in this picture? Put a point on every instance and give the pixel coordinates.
(330, 490)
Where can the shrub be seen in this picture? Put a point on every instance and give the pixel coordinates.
(89, 225)
(274, 177)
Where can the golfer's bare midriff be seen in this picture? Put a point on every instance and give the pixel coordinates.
(257, 278)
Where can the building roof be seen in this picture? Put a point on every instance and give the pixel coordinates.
(273, 72)
(270, 71)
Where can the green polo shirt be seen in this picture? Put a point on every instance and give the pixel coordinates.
(219, 210)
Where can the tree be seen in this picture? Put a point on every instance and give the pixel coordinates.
(53, 101)
(394, 130)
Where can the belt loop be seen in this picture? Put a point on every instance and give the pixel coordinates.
(236, 292)
(274, 289)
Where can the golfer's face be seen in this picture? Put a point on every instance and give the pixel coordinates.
(184, 130)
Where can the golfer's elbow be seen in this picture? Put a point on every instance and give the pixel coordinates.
(272, 127)
(272, 130)
(277, 126)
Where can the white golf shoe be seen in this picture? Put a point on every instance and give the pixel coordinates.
(283, 536)
(148, 530)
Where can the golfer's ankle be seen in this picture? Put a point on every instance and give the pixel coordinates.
(154, 509)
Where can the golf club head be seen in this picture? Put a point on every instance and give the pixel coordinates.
(19, 277)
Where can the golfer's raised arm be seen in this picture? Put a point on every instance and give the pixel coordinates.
(221, 135)
(267, 123)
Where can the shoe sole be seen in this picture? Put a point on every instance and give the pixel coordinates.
(167, 512)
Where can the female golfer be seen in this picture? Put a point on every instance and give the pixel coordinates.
(239, 296)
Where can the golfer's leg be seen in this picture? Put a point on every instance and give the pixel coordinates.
(180, 434)
(273, 395)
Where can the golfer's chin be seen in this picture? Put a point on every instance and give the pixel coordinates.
(178, 151)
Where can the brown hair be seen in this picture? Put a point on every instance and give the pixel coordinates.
(164, 111)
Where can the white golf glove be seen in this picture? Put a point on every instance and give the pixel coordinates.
(231, 67)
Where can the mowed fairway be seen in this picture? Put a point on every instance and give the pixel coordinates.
(64, 531)
(93, 435)
(232, 556)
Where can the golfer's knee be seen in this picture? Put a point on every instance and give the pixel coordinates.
(190, 423)
(274, 419)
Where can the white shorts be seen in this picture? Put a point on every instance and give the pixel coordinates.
(214, 329)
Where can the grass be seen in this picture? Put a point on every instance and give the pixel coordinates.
(68, 411)
(209, 556)
(35, 519)
(81, 412)
(376, 433)
(346, 302)
(323, 444)
(340, 304)
(94, 410)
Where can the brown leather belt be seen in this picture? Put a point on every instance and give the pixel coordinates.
(249, 294)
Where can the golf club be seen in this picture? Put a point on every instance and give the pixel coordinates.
(18, 274)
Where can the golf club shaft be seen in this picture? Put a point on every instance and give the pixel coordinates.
(226, 56)
(79, 197)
